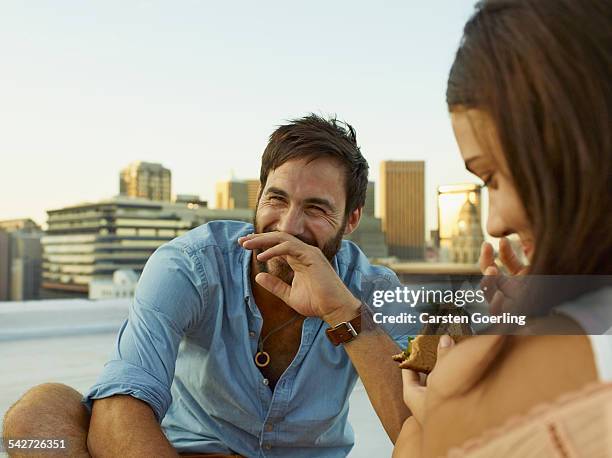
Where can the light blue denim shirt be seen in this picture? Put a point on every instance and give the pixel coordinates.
(188, 345)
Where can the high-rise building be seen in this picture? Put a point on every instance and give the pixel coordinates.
(369, 237)
(21, 224)
(252, 193)
(402, 207)
(20, 259)
(459, 222)
(368, 208)
(147, 180)
(191, 200)
(92, 240)
(232, 194)
(5, 265)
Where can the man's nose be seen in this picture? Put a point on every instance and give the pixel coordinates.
(292, 221)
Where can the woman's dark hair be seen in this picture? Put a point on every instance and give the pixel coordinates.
(312, 137)
(541, 69)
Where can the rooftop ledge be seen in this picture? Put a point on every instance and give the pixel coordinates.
(61, 317)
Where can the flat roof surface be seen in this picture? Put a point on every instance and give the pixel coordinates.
(68, 341)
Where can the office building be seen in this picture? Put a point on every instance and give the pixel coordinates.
(252, 193)
(121, 284)
(402, 207)
(231, 194)
(93, 240)
(369, 237)
(191, 200)
(147, 180)
(21, 224)
(368, 208)
(5, 266)
(20, 260)
(459, 223)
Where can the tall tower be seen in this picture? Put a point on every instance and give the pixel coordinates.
(231, 194)
(252, 192)
(402, 207)
(146, 179)
(368, 208)
(459, 222)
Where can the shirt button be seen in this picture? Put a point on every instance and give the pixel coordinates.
(265, 381)
(269, 427)
(252, 333)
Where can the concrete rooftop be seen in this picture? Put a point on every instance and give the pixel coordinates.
(68, 341)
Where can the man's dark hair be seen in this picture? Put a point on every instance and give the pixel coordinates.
(312, 137)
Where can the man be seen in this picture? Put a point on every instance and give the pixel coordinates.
(226, 343)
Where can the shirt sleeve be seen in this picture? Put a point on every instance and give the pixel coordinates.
(387, 281)
(168, 300)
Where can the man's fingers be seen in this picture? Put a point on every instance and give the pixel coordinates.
(487, 257)
(414, 394)
(282, 249)
(509, 258)
(275, 285)
(264, 240)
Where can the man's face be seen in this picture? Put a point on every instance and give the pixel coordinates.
(307, 200)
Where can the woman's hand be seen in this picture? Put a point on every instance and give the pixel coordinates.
(408, 443)
(458, 368)
(501, 290)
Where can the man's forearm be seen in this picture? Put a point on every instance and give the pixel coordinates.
(124, 426)
(371, 355)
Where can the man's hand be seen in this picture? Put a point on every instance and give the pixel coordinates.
(316, 289)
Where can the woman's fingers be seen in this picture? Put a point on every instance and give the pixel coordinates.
(414, 394)
(509, 258)
(487, 257)
(445, 344)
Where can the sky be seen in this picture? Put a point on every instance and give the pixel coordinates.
(88, 87)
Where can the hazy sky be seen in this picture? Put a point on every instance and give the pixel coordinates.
(87, 87)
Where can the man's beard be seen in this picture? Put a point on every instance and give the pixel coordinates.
(280, 268)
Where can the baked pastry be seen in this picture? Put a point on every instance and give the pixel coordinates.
(422, 350)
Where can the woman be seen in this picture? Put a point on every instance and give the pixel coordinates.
(530, 99)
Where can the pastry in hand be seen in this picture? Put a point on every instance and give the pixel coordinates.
(422, 350)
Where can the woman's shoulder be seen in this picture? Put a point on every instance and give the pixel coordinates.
(487, 379)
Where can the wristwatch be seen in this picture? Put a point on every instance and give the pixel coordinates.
(345, 331)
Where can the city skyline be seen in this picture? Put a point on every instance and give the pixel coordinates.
(101, 247)
(431, 223)
(200, 88)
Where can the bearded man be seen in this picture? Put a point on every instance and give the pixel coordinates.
(227, 348)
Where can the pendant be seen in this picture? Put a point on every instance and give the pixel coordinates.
(262, 359)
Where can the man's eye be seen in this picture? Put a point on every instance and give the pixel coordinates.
(317, 209)
(277, 198)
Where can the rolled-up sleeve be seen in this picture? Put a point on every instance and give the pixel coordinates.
(169, 299)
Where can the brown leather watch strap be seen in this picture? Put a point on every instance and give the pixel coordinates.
(345, 331)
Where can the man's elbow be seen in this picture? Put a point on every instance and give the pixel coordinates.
(125, 426)
(112, 420)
